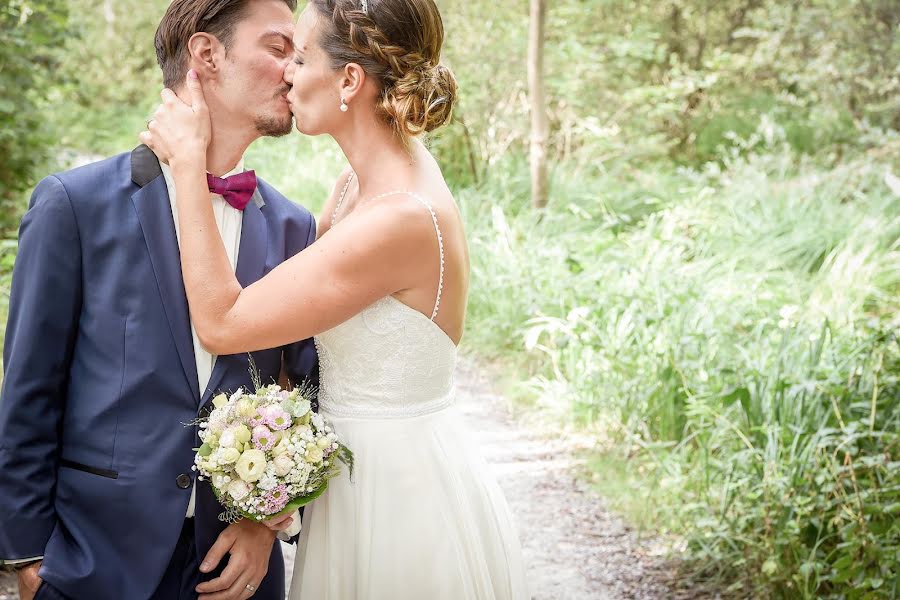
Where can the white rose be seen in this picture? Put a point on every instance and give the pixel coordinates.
(283, 465)
(251, 465)
(238, 489)
(314, 454)
(227, 439)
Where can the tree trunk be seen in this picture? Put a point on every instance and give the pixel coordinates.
(109, 14)
(540, 125)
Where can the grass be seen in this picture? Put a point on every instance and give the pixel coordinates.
(732, 330)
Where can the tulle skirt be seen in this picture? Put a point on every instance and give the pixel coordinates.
(422, 519)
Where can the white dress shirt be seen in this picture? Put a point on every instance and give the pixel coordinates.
(229, 221)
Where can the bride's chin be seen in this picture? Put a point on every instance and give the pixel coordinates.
(305, 130)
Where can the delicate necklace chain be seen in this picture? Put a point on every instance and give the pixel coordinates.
(340, 202)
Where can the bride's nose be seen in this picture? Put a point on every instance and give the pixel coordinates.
(289, 73)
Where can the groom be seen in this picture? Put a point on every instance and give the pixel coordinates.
(102, 368)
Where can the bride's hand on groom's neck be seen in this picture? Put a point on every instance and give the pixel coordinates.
(179, 133)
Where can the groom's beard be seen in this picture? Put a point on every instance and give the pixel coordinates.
(270, 126)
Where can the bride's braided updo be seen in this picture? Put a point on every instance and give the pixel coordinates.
(399, 43)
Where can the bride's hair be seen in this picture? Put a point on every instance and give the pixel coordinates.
(398, 42)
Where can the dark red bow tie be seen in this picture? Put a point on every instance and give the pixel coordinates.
(236, 190)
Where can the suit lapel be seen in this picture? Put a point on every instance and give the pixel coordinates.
(251, 265)
(154, 212)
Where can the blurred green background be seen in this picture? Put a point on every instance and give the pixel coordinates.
(711, 293)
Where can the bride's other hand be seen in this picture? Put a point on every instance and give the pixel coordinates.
(180, 132)
(279, 523)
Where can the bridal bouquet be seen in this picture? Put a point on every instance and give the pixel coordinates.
(267, 453)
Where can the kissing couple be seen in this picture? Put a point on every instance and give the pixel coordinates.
(143, 281)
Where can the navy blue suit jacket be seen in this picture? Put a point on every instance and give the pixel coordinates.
(100, 377)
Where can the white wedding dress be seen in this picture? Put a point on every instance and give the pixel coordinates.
(422, 519)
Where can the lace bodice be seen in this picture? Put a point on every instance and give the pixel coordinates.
(389, 360)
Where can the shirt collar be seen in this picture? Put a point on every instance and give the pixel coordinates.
(170, 181)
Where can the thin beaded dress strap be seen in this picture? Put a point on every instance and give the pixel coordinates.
(437, 229)
(340, 201)
(440, 238)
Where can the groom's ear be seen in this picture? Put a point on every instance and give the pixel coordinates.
(353, 78)
(206, 52)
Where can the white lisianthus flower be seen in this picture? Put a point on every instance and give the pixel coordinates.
(251, 465)
(283, 465)
(323, 442)
(228, 456)
(238, 489)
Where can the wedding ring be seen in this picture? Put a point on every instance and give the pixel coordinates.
(251, 588)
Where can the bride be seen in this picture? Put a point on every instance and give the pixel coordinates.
(383, 290)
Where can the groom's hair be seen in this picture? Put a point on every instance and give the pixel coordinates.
(184, 18)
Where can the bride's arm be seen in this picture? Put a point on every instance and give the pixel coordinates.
(374, 253)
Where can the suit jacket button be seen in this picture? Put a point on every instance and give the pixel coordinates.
(183, 481)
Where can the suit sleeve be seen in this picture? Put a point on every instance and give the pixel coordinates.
(44, 305)
(301, 362)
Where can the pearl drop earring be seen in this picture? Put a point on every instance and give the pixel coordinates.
(344, 106)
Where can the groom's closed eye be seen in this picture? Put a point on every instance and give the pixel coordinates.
(279, 42)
